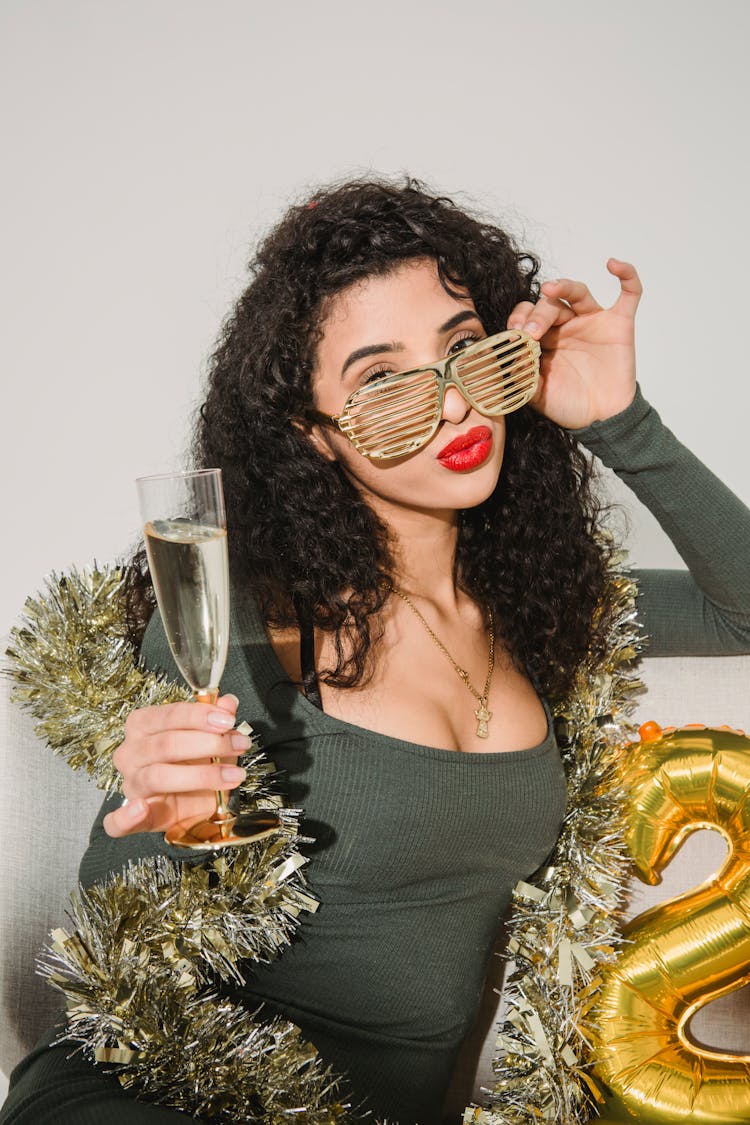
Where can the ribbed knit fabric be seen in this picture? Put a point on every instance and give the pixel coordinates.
(53, 1087)
(416, 849)
(415, 855)
(417, 852)
(705, 612)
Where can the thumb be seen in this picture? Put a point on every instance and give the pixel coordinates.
(132, 816)
(229, 703)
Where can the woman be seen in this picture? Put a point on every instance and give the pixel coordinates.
(410, 587)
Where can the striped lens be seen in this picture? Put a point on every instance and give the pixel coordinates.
(398, 414)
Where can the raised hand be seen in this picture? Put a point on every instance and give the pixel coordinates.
(166, 768)
(588, 352)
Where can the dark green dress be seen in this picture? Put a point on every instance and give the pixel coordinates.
(416, 848)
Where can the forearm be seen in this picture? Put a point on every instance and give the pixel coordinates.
(708, 609)
(107, 857)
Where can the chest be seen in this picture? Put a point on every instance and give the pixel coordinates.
(414, 692)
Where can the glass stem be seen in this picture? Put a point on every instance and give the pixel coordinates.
(222, 815)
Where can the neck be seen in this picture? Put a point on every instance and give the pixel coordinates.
(423, 545)
(424, 553)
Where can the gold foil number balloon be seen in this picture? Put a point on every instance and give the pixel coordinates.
(689, 950)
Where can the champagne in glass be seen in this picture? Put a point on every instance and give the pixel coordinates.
(188, 563)
(186, 544)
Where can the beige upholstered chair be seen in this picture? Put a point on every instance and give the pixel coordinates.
(46, 811)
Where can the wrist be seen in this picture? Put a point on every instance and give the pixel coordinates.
(617, 406)
(626, 417)
(621, 440)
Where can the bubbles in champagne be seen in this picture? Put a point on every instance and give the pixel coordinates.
(190, 571)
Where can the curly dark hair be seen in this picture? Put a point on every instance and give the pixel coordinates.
(302, 538)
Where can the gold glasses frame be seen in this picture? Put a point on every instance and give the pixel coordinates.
(397, 414)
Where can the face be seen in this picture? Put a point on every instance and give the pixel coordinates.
(393, 323)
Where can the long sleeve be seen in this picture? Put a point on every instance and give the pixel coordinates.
(706, 609)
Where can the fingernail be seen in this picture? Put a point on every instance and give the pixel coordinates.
(240, 742)
(220, 719)
(531, 327)
(232, 774)
(229, 695)
(135, 809)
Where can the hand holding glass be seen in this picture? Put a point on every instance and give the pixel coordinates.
(186, 544)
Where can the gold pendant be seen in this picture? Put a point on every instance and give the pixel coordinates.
(483, 718)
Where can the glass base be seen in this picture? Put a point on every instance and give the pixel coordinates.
(235, 831)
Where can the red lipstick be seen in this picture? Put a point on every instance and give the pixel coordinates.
(467, 450)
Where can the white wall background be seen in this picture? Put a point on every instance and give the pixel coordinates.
(147, 143)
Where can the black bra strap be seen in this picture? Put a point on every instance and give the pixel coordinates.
(310, 684)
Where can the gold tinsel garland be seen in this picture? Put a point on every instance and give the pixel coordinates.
(565, 923)
(74, 669)
(141, 970)
(149, 950)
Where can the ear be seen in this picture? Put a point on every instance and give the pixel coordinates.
(318, 438)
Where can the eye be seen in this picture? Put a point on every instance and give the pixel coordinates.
(463, 341)
(376, 373)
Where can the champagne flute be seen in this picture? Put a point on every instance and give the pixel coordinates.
(186, 543)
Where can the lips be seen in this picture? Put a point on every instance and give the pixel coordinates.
(473, 436)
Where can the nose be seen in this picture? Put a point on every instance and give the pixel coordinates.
(455, 406)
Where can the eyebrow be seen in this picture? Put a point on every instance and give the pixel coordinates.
(395, 346)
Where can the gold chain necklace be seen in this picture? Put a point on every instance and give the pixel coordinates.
(483, 716)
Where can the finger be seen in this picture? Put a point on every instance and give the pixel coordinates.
(228, 702)
(157, 813)
(183, 716)
(574, 293)
(176, 746)
(520, 314)
(546, 313)
(551, 340)
(534, 320)
(130, 817)
(161, 778)
(631, 288)
(187, 745)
